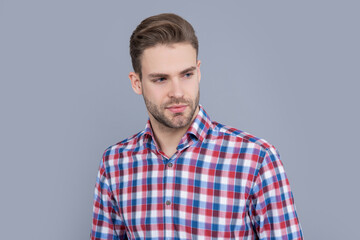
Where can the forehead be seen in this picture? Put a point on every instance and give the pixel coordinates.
(168, 58)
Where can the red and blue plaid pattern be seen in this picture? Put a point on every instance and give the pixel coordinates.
(221, 183)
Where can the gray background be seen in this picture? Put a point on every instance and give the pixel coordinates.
(286, 71)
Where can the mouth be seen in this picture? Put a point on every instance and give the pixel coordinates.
(177, 108)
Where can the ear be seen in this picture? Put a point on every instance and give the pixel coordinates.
(198, 69)
(135, 82)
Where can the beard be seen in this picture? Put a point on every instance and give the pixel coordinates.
(175, 120)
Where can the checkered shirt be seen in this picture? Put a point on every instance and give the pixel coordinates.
(221, 183)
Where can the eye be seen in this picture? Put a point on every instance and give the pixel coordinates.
(159, 80)
(188, 75)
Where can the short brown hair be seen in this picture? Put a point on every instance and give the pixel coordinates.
(166, 28)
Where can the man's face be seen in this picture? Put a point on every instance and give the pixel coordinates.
(170, 84)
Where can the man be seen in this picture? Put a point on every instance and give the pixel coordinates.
(184, 176)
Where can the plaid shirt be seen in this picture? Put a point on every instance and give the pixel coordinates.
(221, 183)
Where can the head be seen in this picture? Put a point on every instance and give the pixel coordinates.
(164, 51)
(166, 29)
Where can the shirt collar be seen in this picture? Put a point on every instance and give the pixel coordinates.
(200, 125)
(197, 130)
(148, 133)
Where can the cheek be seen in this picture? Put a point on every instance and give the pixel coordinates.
(194, 89)
(154, 95)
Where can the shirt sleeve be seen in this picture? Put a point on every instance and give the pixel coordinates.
(107, 222)
(272, 208)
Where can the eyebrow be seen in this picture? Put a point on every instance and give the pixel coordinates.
(190, 69)
(158, 75)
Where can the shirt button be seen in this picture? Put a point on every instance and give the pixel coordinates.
(170, 164)
(168, 202)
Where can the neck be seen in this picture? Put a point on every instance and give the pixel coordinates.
(168, 138)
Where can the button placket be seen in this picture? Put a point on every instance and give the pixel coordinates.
(169, 183)
(168, 196)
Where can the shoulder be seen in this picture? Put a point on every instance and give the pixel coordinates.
(247, 142)
(127, 145)
(239, 135)
(264, 154)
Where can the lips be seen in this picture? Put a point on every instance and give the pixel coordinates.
(177, 108)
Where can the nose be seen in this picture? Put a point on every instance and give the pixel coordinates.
(176, 89)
